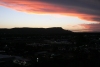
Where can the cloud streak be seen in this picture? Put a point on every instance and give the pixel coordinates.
(92, 27)
(88, 10)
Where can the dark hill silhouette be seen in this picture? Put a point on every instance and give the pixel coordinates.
(53, 30)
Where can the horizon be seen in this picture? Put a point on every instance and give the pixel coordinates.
(76, 16)
(52, 27)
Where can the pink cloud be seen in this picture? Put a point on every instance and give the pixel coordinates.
(63, 7)
(92, 27)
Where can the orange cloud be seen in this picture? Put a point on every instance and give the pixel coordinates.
(91, 27)
(63, 7)
(35, 7)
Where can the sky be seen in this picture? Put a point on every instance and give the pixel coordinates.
(74, 15)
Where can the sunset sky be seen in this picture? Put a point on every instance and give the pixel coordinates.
(74, 15)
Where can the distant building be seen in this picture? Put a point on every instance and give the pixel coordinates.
(43, 52)
(10, 60)
(6, 60)
(21, 61)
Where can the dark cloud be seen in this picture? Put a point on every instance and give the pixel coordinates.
(88, 7)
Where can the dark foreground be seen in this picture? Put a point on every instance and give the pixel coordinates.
(67, 50)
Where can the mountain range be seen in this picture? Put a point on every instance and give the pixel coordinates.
(25, 30)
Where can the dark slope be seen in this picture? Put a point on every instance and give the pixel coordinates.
(54, 30)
